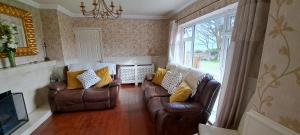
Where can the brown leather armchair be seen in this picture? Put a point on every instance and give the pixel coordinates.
(180, 117)
(62, 99)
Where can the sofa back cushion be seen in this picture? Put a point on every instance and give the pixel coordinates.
(191, 76)
(207, 92)
(179, 68)
(95, 66)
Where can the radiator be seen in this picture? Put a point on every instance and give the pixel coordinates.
(135, 73)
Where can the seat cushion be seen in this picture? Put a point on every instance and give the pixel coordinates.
(96, 95)
(69, 97)
(155, 104)
(155, 91)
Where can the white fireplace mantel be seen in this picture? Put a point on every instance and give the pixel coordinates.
(31, 80)
(7, 72)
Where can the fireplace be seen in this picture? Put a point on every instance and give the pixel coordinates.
(13, 113)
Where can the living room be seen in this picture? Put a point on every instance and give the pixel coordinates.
(147, 67)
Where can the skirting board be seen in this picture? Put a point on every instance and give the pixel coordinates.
(36, 118)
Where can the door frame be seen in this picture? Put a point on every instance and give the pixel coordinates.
(76, 30)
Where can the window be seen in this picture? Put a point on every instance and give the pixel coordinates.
(206, 44)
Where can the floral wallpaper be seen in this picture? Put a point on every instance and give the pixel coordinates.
(67, 37)
(58, 35)
(52, 35)
(212, 5)
(130, 37)
(37, 24)
(278, 87)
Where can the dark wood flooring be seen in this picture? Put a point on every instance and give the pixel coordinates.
(129, 117)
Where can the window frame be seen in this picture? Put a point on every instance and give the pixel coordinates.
(227, 12)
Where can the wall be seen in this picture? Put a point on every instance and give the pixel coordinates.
(195, 10)
(31, 79)
(58, 35)
(52, 35)
(278, 88)
(67, 37)
(37, 24)
(131, 37)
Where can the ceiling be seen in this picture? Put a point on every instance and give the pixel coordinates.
(162, 8)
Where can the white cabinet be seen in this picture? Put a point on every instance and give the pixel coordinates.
(135, 73)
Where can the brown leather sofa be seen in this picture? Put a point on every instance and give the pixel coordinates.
(63, 100)
(180, 118)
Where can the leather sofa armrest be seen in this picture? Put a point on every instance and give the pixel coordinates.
(149, 77)
(180, 107)
(114, 91)
(57, 86)
(115, 83)
(180, 117)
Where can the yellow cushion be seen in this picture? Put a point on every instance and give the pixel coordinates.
(105, 77)
(73, 82)
(182, 93)
(159, 76)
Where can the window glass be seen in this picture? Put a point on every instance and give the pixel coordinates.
(208, 41)
(188, 32)
(231, 22)
(206, 45)
(188, 53)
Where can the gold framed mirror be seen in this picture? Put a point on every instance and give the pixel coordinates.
(23, 21)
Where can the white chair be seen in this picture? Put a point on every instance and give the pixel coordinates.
(255, 124)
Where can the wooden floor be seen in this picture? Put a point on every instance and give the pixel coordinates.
(129, 117)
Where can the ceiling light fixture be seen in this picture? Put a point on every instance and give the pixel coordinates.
(102, 10)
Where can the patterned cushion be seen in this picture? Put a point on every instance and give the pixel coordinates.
(88, 78)
(171, 81)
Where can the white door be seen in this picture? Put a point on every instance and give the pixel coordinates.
(88, 44)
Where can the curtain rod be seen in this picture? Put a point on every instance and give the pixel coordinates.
(197, 11)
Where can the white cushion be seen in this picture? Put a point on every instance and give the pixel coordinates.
(171, 66)
(184, 70)
(171, 81)
(111, 67)
(78, 67)
(95, 66)
(88, 78)
(192, 78)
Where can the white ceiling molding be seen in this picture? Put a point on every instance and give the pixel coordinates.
(144, 17)
(125, 16)
(31, 3)
(57, 7)
(134, 17)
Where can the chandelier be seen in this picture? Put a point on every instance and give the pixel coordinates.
(102, 10)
